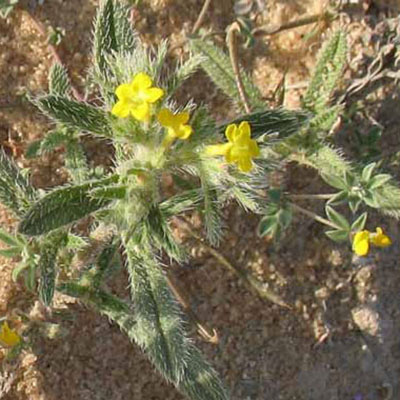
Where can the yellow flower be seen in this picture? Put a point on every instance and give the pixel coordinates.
(363, 239)
(135, 98)
(175, 124)
(8, 337)
(379, 239)
(240, 148)
(361, 243)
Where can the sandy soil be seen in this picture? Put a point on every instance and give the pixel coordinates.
(340, 340)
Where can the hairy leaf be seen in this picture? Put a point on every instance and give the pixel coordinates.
(63, 206)
(15, 190)
(218, 66)
(59, 83)
(77, 115)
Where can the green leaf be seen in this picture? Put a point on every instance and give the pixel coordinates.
(11, 252)
(6, 238)
(17, 270)
(327, 73)
(267, 226)
(338, 198)
(367, 172)
(338, 219)
(160, 332)
(6, 6)
(277, 122)
(161, 235)
(47, 265)
(15, 190)
(115, 192)
(371, 201)
(181, 203)
(337, 235)
(77, 115)
(378, 181)
(105, 41)
(285, 216)
(218, 66)
(349, 178)
(354, 204)
(63, 206)
(75, 161)
(125, 35)
(59, 83)
(359, 223)
(334, 181)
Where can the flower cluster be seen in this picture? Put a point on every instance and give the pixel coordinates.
(8, 337)
(363, 239)
(136, 99)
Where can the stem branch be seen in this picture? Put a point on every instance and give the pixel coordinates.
(314, 216)
(231, 39)
(253, 284)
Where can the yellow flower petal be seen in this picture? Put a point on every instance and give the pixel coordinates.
(184, 132)
(379, 239)
(165, 117)
(141, 81)
(218, 149)
(244, 130)
(141, 112)
(182, 118)
(153, 94)
(8, 337)
(254, 150)
(361, 243)
(121, 109)
(135, 97)
(230, 132)
(245, 164)
(124, 91)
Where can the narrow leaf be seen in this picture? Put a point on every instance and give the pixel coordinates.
(63, 206)
(15, 190)
(59, 83)
(76, 115)
(11, 252)
(367, 172)
(338, 235)
(378, 181)
(47, 265)
(338, 219)
(7, 238)
(359, 223)
(218, 66)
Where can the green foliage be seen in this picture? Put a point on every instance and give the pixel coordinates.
(273, 123)
(59, 83)
(105, 41)
(15, 190)
(218, 67)
(6, 6)
(160, 332)
(277, 216)
(47, 263)
(63, 206)
(76, 115)
(327, 73)
(156, 175)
